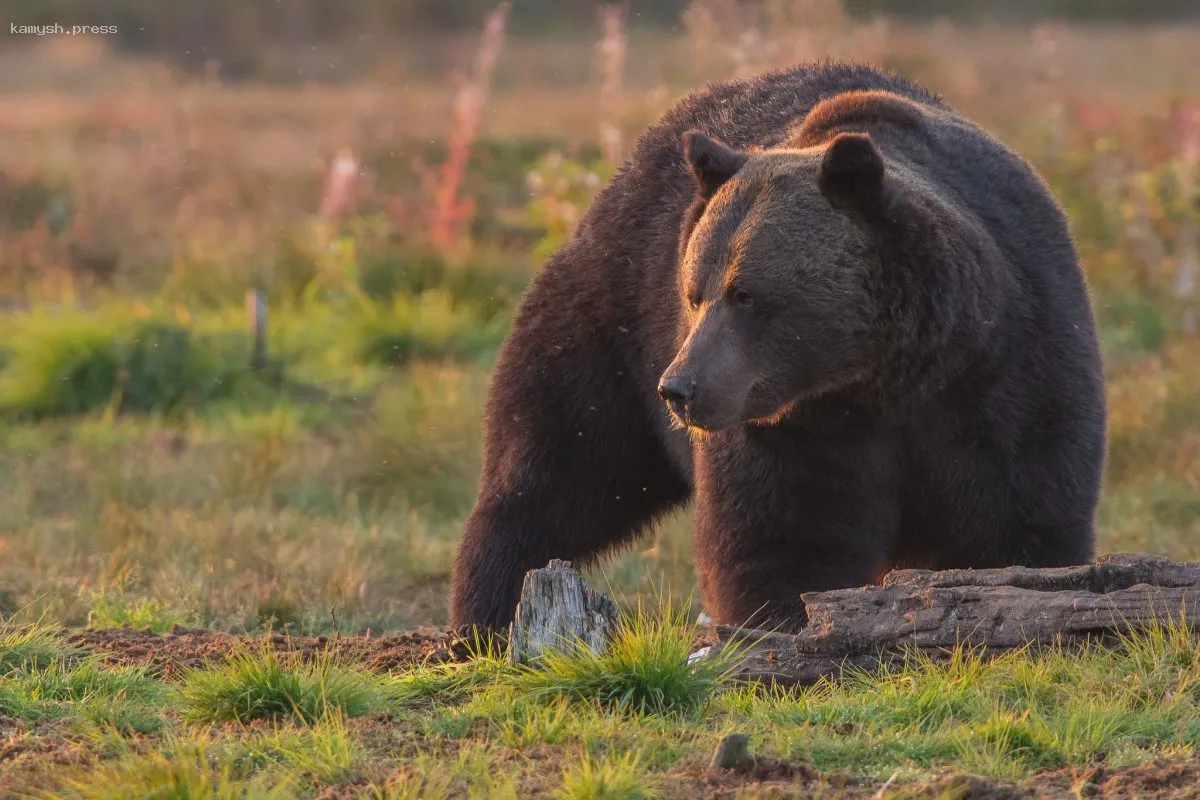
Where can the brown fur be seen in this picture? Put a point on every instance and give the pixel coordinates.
(869, 325)
(858, 111)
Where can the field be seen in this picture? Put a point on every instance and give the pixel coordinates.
(205, 569)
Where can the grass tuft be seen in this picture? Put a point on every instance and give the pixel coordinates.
(192, 771)
(324, 753)
(63, 682)
(259, 685)
(467, 771)
(119, 699)
(622, 779)
(644, 671)
(31, 646)
(447, 683)
(114, 608)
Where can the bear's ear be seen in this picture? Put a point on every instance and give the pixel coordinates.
(711, 161)
(852, 170)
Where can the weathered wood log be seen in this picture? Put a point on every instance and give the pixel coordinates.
(999, 609)
(557, 610)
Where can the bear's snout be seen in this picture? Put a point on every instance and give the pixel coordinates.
(677, 393)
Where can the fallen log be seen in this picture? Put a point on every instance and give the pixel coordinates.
(998, 609)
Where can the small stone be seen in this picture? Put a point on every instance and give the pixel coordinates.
(733, 752)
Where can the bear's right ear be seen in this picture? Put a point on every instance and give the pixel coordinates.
(853, 170)
(711, 161)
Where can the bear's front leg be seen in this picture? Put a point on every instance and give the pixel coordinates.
(779, 514)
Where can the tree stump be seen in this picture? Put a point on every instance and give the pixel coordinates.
(558, 611)
(999, 609)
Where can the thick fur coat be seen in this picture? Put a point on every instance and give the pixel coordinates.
(844, 321)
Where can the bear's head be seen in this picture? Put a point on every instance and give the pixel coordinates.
(776, 260)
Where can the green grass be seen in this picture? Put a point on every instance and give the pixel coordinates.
(279, 762)
(1008, 718)
(429, 326)
(87, 680)
(75, 363)
(31, 646)
(446, 683)
(644, 671)
(114, 608)
(620, 779)
(639, 722)
(437, 773)
(179, 773)
(324, 753)
(121, 700)
(259, 685)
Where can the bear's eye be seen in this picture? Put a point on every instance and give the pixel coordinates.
(740, 297)
(693, 302)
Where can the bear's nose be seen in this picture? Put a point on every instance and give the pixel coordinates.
(677, 392)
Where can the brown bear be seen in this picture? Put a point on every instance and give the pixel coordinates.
(846, 322)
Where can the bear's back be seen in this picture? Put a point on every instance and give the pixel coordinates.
(759, 111)
(638, 213)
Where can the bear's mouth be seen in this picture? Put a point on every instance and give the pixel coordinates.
(687, 422)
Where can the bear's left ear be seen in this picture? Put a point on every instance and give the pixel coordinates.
(852, 170)
(712, 162)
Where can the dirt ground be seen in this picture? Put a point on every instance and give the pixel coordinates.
(184, 647)
(181, 647)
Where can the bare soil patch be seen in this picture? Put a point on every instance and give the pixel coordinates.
(165, 654)
(1155, 780)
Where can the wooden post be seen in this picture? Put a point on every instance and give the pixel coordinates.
(256, 320)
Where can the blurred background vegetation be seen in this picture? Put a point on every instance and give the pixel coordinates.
(247, 35)
(389, 175)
